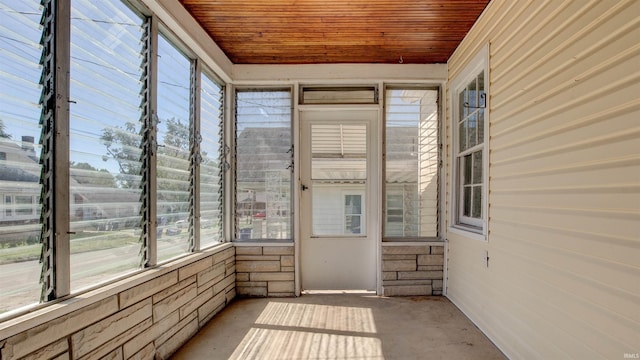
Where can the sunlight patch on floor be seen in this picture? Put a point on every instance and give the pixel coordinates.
(312, 316)
(285, 344)
(311, 331)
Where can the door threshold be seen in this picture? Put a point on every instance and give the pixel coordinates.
(336, 292)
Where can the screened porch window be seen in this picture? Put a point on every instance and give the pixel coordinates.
(263, 164)
(412, 160)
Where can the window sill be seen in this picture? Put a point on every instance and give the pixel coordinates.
(470, 232)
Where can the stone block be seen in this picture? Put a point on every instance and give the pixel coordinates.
(64, 356)
(107, 348)
(174, 301)
(287, 269)
(251, 283)
(114, 355)
(230, 268)
(257, 258)
(252, 291)
(166, 349)
(194, 268)
(408, 290)
(287, 260)
(278, 250)
(230, 294)
(431, 260)
(398, 265)
(134, 345)
(406, 282)
(248, 250)
(242, 276)
(273, 276)
(410, 249)
(173, 289)
(437, 285)
(389, 275)
(194, 304)
(169, 334)
(437, 250)
(224, 255)
(86, 340)
(400, 257)
(224, 284)
(432, 274)
(282, 295)
(257, 266)
(214, 273)
(147, 289)
(280, 287)
(49, 351)
(146, 353)
(430, 267)
(42, 335)
(413, 275)
(210, 306)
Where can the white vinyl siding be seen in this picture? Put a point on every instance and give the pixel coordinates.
(564, 194)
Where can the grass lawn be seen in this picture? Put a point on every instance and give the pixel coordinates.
(81, 242)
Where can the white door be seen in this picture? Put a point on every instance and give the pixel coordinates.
(337, 180)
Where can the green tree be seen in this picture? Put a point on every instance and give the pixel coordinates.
(124, 146)
(84, 173)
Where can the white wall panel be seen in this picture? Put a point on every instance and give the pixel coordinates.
(563, 276)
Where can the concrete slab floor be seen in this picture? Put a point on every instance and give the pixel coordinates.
(345, 326)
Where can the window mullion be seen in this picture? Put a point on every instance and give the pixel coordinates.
(148, 209)
(55, 275)
(195, 157)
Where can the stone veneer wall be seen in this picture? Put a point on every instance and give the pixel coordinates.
(148, 320)
(409, 270)
(265, 271)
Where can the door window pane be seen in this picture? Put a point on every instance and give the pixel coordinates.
(338, 174)
(263, 164)
(411, 168)
(104, 140)
(173, 165)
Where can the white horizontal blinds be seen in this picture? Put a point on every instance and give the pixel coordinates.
(174, 78)
(20, 149)
(104, 155)
(339, 174)
(263, 159)
(411, 168)
(210, 167)
(471, 105)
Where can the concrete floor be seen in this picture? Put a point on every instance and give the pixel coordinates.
(340, 326)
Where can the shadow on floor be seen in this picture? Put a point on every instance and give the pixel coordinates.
(340, 327)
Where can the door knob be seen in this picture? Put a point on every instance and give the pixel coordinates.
(304, 187)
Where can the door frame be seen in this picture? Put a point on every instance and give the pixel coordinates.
(374, 189)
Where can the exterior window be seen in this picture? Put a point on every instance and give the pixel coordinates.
(20, 169)
(104, 178)
(173, 166)
(211, 174)
(412, 160)
(263, 164)
(470, 146)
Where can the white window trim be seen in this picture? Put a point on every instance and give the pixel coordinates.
(479, 63)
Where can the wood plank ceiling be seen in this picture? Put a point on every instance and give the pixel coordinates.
(336, 31)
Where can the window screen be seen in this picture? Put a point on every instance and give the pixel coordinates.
(263, 161)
